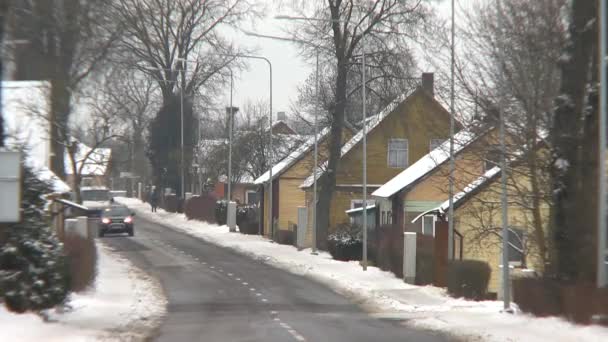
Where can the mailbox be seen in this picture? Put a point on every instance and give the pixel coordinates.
(10, 186)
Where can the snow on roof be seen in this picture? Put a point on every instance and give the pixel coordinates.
(426, 164)
(370, 123)
(471, 187)
(356, 210)
(24, 108)
(292, 158)
(95, 163)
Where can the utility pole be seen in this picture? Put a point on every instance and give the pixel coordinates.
(602, 252)
(506, 294)
(452, 166)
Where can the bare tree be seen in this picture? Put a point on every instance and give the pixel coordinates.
(514, 65)
(342, 29)
(161, 35)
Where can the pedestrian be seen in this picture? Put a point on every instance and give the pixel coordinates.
(153, 198)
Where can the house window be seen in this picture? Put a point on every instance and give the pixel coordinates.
(358, 203)
(435, 143)
(516, 247)
(397, 153)
(251, 197)
(428, 225)
(389, 217)
(492, 159)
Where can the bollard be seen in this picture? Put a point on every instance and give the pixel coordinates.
(231, 219)
(139, 191)
(409, 257)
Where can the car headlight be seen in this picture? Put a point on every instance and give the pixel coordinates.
(129, 219)
(106, 220)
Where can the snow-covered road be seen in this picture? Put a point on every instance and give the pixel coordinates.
(124, 304)
(382, 293)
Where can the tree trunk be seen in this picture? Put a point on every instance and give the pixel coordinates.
(328, 181)
(58, 121)
(568, 224)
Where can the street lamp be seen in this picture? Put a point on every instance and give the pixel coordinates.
(316, 162)
(364, 114)
(271, 225)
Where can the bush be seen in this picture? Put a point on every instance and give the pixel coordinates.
(247, 219)
(201, 208)
(33, 266)
(286, 237)
(172, 204)
(346, 243)
(221, 212)
(468, 278)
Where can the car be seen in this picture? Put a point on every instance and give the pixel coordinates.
(116, 219)
(96, 199)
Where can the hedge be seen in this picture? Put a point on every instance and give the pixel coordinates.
(468, 278)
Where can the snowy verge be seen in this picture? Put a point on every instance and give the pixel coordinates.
(124, 304)
(381, 292)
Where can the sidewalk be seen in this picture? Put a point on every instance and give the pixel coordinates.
(381, 293)
(124, 304)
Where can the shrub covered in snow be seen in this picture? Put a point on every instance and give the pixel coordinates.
(247, 218)
(33, 267)
(346, 243)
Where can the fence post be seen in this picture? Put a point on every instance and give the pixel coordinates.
(82, 226)
(409, 257)
(231, 219)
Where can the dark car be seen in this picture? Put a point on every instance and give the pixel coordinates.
(116, 219)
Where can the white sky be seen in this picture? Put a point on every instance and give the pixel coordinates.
(289, 70)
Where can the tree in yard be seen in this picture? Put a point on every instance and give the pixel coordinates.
(33, 267)
(384, 28)
(161, 35)
(68, 41)
(574, 136)
(512, 68)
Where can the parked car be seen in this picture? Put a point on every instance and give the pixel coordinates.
(116, 219)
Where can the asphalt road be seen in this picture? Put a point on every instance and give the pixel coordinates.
(216, 294)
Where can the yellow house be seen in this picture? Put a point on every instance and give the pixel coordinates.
(425, 185)
(477, 217)
(405, 131)
(287, 175)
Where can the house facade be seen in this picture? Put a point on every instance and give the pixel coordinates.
(405, 131)
(287, 175)
(478, 220)
(425, 185)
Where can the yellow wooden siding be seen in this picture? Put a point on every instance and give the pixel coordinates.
(483, 210)
(291, 197)
(419, 119)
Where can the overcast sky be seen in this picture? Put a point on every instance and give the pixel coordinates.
(289, 70)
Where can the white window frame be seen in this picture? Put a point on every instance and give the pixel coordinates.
(407, 153)
(360, 201)
(422, 226)
(438, 143)
(247, 195)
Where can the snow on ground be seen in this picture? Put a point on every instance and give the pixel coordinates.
(382, 293)
(124, 304)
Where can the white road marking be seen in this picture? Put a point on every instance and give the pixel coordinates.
(252, 289)
(245, 283)
(264, 300)
(258, 294)
(237, 279)
(230, 274)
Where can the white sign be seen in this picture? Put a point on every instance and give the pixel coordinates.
(10, 186)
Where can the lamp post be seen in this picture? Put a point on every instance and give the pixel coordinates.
(271, 225)
(452, 163)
